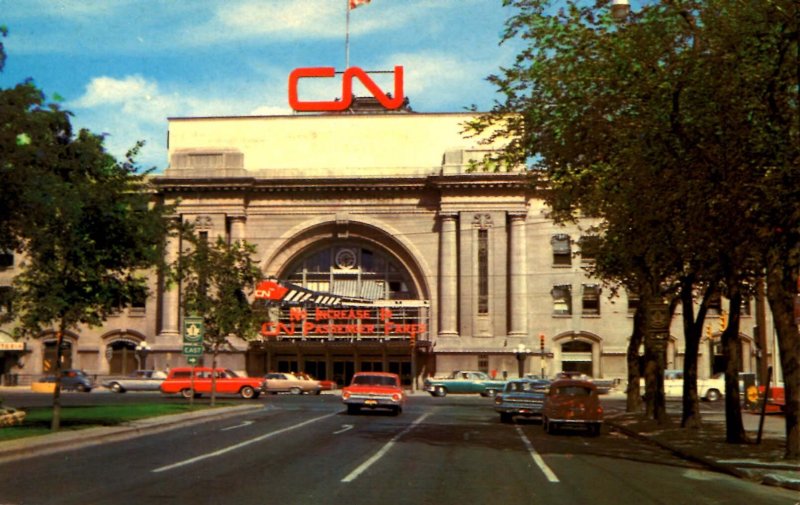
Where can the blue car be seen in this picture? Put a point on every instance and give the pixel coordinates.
(73, 380)
(521, 397)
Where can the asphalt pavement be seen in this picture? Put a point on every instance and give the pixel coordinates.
(762, 462)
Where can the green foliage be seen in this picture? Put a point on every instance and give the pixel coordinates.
(216, 279)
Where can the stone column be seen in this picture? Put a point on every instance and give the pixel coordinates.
(170, 299)
(237, 228)
(448, 275)
(518, 272)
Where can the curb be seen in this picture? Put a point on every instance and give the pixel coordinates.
(24, 448)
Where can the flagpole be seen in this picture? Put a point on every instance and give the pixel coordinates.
(347, 36)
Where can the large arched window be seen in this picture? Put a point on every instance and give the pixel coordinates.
(353, 271)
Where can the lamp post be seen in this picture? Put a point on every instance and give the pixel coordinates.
(142, 348)
(521, 353)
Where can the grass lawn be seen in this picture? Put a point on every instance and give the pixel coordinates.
(37, 422)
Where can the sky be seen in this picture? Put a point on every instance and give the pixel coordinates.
(122, 67)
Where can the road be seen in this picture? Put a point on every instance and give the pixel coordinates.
(306, 450)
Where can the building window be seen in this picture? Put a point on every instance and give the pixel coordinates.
(633, 302)
(562, 250)
(589, 245)
(6, 294)
(483, 271)
(562, 300)
(591, 299)
(483, 363)
(6, 259)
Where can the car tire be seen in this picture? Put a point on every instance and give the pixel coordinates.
(116, 388)
(713, 395)
(187, 393)
(247, 392)
(491, 393)
(296, 391)
(595, 429)
(83, 389)
(353, 409)
(505, 417)
(441, 391)
(397, 411)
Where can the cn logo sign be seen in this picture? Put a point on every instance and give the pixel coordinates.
(390, 102)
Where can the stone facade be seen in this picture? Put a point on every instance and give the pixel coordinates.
(386, 204)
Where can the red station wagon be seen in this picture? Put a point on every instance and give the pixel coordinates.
(180, 381)
(572, 402)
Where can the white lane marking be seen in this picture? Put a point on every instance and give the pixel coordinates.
(551, 476)
(381, 453)
(246, 423)
(240, 445)
(345, 427)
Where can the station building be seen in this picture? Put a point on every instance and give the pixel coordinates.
(396, 256)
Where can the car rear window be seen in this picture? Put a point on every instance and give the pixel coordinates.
(573, 391)
(374, 380)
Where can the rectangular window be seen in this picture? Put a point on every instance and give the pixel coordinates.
(589, 245)
(633, 302)
(483, 363)
(562, 250)
(6, 292)
(562, 300)
(483, 271)
(6, 259)
(591, 299)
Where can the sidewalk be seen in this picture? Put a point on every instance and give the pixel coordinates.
(761, 463)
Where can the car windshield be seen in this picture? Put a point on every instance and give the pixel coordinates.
(374, 380)
(518, 387)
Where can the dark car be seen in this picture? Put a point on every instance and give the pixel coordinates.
(521, 397)
(73, 380)
(572, 402)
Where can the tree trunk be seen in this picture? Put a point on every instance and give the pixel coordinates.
(781, 291)
(734, 427)
(634, 394)
(55, 423)
(692, 333)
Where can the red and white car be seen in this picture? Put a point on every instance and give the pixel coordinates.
(374, 390)
(180, 380)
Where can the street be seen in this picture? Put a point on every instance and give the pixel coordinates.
(306, 449)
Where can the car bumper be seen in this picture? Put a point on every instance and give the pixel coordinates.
(372, 401)
(519, 410)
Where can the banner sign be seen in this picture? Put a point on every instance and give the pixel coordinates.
(322, 322)
(388, 100)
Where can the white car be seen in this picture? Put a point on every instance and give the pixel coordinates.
(708, 389)
(140, 380)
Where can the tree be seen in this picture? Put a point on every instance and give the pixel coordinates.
(217, 279)
(693, 102)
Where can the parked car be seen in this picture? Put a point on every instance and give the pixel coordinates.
(72, 380)
(521, 397)
(571, 402)
(140, 380)
(180, 381)
(284, 382)
(374, 390)
(711, 389)
(324, 385)
(464, 382)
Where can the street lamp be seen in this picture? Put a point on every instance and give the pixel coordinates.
(142, 348)
(521, 352)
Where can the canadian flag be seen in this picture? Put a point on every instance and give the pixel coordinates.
(357, 3)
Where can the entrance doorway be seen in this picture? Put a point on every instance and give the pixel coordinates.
(123, 358)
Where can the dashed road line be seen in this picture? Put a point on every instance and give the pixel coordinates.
(546, 470)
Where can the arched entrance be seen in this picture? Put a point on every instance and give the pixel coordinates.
(380, 287)
(576, 357)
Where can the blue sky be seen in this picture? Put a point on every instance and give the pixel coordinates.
(124, 66)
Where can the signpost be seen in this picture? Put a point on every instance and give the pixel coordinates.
(193, 332)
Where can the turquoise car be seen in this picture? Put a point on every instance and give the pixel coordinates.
(464, 382)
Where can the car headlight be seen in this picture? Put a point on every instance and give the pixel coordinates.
(345, 395)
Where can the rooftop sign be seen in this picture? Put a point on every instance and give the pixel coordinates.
(388, 100)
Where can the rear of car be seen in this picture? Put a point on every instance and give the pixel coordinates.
(572, 403)
(374, 390)
(524, 398)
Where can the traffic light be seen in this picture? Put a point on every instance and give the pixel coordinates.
(723, 320)
(541, 341)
